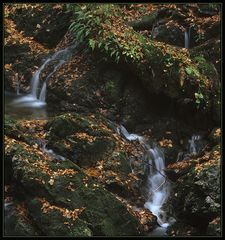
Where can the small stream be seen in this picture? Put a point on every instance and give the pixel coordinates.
(33, 106)
(158, 185)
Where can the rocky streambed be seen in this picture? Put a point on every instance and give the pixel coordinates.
(70, 166)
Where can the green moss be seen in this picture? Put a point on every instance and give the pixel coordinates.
(205, 67)
(92, 142)
(161, 67)
(11, 126)
(53, 222)
(119, 162)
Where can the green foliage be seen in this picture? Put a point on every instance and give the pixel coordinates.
(103, 28)
(192, 71)
(94, 25)
(205, 67)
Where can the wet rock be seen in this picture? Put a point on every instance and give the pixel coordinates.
(68, 196)
(182, 229)
(133, 106)
(172, 34)
(200, 184)
(113, 85)
(145, 23)
(215, 136)
(16, 222)
(214, 227)
(22, 55)
(47, 24)
(54, 222)
(80, 138)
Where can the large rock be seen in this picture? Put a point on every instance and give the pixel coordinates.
(17, 221)
(80, 138)
(199, 182)
(22, 55)
(46, 23)
(60, 194)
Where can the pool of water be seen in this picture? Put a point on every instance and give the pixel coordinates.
(26, 107)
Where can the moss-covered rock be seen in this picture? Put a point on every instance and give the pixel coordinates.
(172, 34)
(182, 229)
(11, 127)
(17, 223)
(56, 221)
(200, 184)
(162, 68)
(22, 55)
(67, 190)
(84, 138)
(113, 85)
(215, 136)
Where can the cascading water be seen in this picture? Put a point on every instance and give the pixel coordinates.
(32, 100)
(194, 147)
(17, 85)
(186, 39)
(36, 78)
(44, 88)
(157, 185)
(194, 144)
(131, 137)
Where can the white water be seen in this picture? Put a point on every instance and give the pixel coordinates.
(36, 78)
(52, 154)
(194, 147)
(32, 99)
(42, 96)
(158, 187)
(131, 137)
(186, 40)
(17, 85)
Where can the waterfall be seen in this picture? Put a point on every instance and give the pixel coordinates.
(131, 137)
(194, 144)
(44, 87)
(51, 153)
(32, 100)
(194, 147)
(157, 184)
(35, 79)
(62, 56)
(186, 39)
(17, 85)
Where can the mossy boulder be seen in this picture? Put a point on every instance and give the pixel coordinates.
(17, 223)
(113, 84)
(62, 189)
(145, 23)
(171, 34)
(215, 136)
(84, 138)
(54, 222)
(22, 55)
(161, 68)
(200, 184)
(133, 107)
(12, 127)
